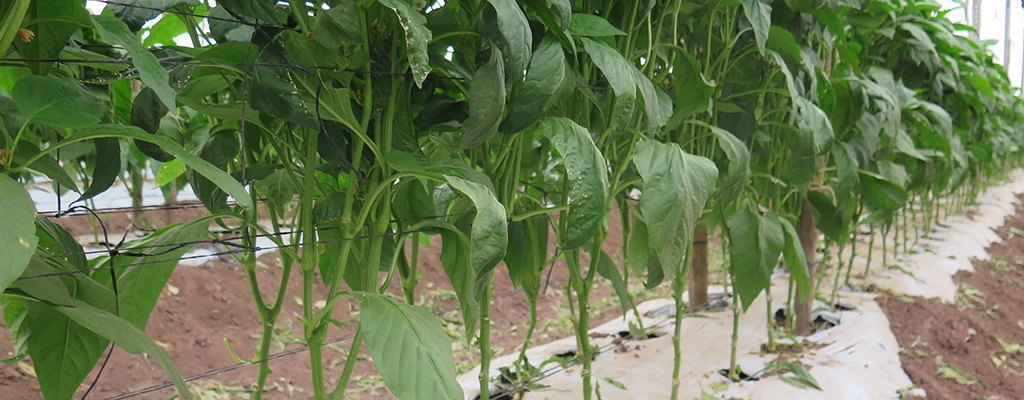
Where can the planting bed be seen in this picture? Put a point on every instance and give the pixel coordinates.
(206, 305)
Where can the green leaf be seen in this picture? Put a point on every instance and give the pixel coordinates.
(639, 247)
(739, 164)
(14, 317)
(527, 252)
(760, 16)
(755, 243)
(126, 336)
(45, 164)
(619, 73)
(417, 37)
(169, 172)
(147, 111)
(56, 240)
(63, 352)
(548, 72)
(107, 166)
(489, 231)
(338, 26)
(846, 169)
(592, 25)
(676, 187)
(141, 283)
(693, 91)
(278, 188)
(222, 179)
(587, 174)
(802, 379)
(882, 196)
(796, 260)
(456, 259)
(53, 22)
(607, 268)
(412, 202)
(263, 10)
(782, 41)
(58, 102)
(813, 123)
(410, 348)
(516, 38)
(652, 102)
(151, 73)
(486, 102)
(18, 237)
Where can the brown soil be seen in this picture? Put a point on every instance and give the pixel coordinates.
(205, 307)
(942, 344)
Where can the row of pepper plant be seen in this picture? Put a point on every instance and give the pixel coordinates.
(360, 128)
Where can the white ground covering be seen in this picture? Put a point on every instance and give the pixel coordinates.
(859, 358)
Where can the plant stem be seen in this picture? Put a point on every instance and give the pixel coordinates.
(733, 367)
(485, 341)
(532, 299)
(350, 365)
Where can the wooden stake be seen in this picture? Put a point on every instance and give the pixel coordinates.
(699, 269)
(809, 240)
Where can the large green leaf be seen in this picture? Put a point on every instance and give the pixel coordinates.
(140, 284)
(151, 73)
(592, 25)
(18, 237)
(417, 37)
(218, 176)
(760, 16)
(58, 102)
(587, 174)
(755, 243)
(676, 187)
(53, 22)
(410, 348)
(489, 231)
(127, 336)
(456, 259)
(486, 102)
(548, 71)
(619, 73)
(516, 38)
(63, 352)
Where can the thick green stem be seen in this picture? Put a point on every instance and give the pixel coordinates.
(733, 367)
(485, 342)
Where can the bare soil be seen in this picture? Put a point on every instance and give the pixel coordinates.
(204, 308)
(953, 351)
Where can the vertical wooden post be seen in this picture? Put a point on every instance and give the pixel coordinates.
(699, 269)
(809, 240)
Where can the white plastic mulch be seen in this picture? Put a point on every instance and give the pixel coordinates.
(857, 359)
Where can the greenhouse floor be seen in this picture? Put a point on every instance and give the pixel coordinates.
(943, 321)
